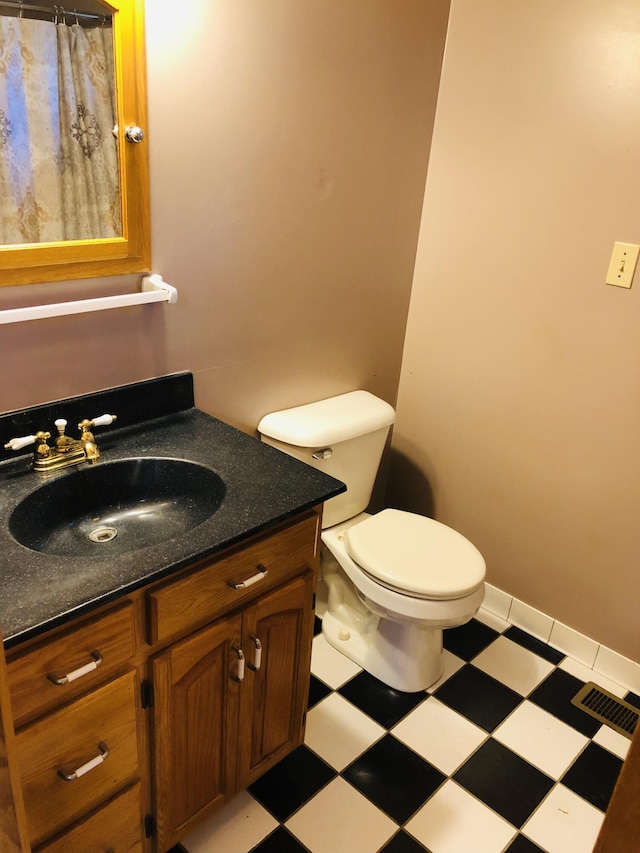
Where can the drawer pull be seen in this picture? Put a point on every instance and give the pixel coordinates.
(239, 676)
(77, 673)
(90, 765)
(261, 573)
(257, 653)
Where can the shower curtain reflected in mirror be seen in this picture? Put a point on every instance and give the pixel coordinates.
(59, 176)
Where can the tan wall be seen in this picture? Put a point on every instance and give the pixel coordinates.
(289, 145)
(519, 403)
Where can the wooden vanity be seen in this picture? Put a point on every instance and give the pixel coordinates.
(178, 696)
(146, 683)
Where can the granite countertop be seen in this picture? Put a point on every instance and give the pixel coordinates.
(263, 487)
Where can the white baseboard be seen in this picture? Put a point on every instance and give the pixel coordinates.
(593, 657)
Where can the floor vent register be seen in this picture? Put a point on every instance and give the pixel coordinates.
(607, 708)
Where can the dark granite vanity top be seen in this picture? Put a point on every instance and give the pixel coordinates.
(39, 590)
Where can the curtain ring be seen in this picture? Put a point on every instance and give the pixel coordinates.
(75, 12)
(20, 11)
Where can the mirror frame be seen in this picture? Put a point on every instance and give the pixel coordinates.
(33, 263)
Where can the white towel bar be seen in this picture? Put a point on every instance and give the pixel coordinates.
(154, 289)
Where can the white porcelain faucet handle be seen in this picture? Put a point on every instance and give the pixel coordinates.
(19, 443)
(104, 420)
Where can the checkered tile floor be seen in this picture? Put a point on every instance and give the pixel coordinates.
(494, 758)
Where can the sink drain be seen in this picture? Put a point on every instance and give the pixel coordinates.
(103, 534)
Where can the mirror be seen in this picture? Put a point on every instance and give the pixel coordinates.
(74, 171)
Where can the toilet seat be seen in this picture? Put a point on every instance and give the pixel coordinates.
(415, 555)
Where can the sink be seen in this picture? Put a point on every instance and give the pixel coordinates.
(117, 507)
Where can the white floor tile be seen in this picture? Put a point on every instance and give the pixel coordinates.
(453, 821)
(584, 673)
(613, 741)
(339, 732)
(513, 665)
(452, 663)
(340, 819)
(236, 828)
(330, 665)
(440, 735)
(564, 823)
(540, 738)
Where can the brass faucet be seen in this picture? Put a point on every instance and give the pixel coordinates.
(65, 450)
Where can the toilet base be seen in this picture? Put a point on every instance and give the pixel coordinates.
(406, 657)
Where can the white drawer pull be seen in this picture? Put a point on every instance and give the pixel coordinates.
(77, 673)
(239, 676)
(259, 575)
(90, 765)
(257, 653)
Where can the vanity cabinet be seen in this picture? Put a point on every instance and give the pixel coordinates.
(135, 722)
(230, 699)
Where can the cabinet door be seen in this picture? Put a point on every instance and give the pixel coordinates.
(277, 635)
(195, 726)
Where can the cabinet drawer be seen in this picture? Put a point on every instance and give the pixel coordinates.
(117, 827)
(90, 654)
(194, 599)
(72, 738)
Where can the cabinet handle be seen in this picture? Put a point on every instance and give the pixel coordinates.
(261, 573)
(257, 653)
(90, 765)
(239, 676)
(77, 673)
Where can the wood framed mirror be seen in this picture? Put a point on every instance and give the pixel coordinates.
(84, 251)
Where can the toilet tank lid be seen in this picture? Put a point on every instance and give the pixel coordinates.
(328, 421)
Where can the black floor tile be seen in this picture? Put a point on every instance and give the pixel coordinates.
(292, 782)
(555, 695)
(479, 697)
(317, 691)
(504, 781)
(280, 841)
(633, 699)
(523, 845)
(468, 640)
(403, 843)
(534, 645)
(593, 775)
(394, 778)
(381, 702)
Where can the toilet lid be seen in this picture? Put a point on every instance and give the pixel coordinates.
(415, 554)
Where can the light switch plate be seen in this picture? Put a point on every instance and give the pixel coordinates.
(623, 264)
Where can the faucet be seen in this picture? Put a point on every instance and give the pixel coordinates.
(65, 450)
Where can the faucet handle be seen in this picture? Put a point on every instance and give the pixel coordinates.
(19, 443)
(103, 420)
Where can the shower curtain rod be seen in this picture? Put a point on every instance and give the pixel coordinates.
(54, 11)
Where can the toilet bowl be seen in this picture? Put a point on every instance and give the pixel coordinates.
(395, 632)
(393, 580)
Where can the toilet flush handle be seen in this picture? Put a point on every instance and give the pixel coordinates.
(325, 453)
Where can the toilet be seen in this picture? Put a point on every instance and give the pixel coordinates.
(393, 580)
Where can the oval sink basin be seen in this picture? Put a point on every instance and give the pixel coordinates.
(116, 507)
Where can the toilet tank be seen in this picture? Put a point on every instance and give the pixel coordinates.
(343, 436)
